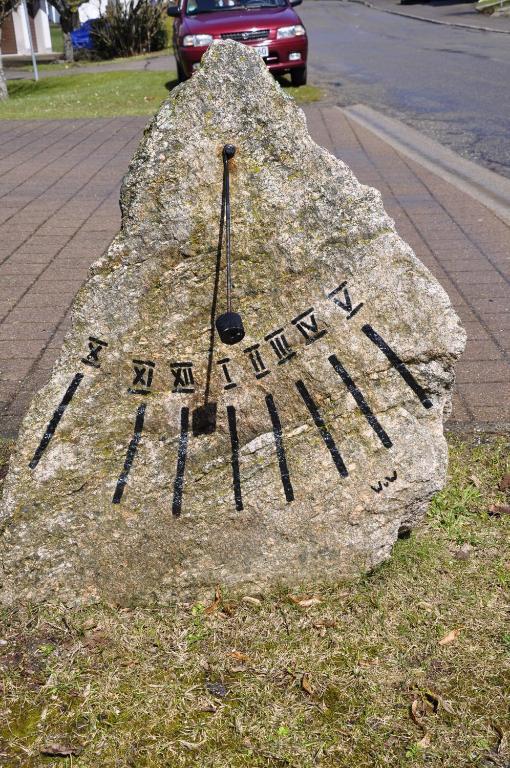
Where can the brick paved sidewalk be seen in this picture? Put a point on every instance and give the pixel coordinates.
(59, 185)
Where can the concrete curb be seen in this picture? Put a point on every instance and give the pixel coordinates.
(488, 188)
(431, 21)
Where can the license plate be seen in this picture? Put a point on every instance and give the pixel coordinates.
(263, 50)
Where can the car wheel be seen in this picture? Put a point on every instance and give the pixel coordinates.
(298, 76)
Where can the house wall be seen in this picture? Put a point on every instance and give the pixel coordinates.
(15, 36)
(41, 26)
(8, 36)
(21, 30)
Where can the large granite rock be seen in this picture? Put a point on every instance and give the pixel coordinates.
(153, 465)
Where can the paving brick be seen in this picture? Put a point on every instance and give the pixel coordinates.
(47, 286)
(45, 300)
(30, 348)
(19, 332)
(492, 416)
(459, 410)
(13, 269)
(482, 277)
(453, 263)
(476, 331)
(481, 351)
(492, 306)
(12, 282)
(42, 315)
(499, 323)
(476, 373)
(15, 369)
(487, 291)
(58, 272)
(492, 394)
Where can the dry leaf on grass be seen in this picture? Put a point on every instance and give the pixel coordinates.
(419, 707)
(241, 657)
(365, 663)
(416, 711)
(328, 623)
(305, 684)
(191, 745)
(450, 637)
(496, 510)
(502, 739)
(323, 625)
(89, 624)
(304, 601)
(216, 602)
(251, 600)
(62, 750)
(447, 706)
(96, 640)
(476, 482)
(424, 742)
(504, 483)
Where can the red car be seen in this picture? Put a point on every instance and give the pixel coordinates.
(272, 27)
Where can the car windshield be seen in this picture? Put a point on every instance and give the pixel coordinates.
(195, 7)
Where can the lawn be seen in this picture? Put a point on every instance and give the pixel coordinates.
(57, 41)
(407, 667)
(100, 94)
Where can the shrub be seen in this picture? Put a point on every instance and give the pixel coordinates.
(128, 27)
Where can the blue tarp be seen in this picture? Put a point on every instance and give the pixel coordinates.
(81, 37)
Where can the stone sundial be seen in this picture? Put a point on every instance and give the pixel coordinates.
(160, 460)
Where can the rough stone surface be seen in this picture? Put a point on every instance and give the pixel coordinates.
(302, 228)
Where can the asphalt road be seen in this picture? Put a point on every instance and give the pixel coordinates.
(452, 84)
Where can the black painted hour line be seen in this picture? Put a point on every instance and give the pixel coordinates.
(398, 364)
(130, 455)
(181, 463)
(280, 450)
(321, 426)
(361, 402)
(234, 441)
(55, 419)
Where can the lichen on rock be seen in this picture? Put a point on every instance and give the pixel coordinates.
(157, 462)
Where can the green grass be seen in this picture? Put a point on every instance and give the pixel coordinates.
(305, 94)
(57, 41)
(100, 94)
(268, 683)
